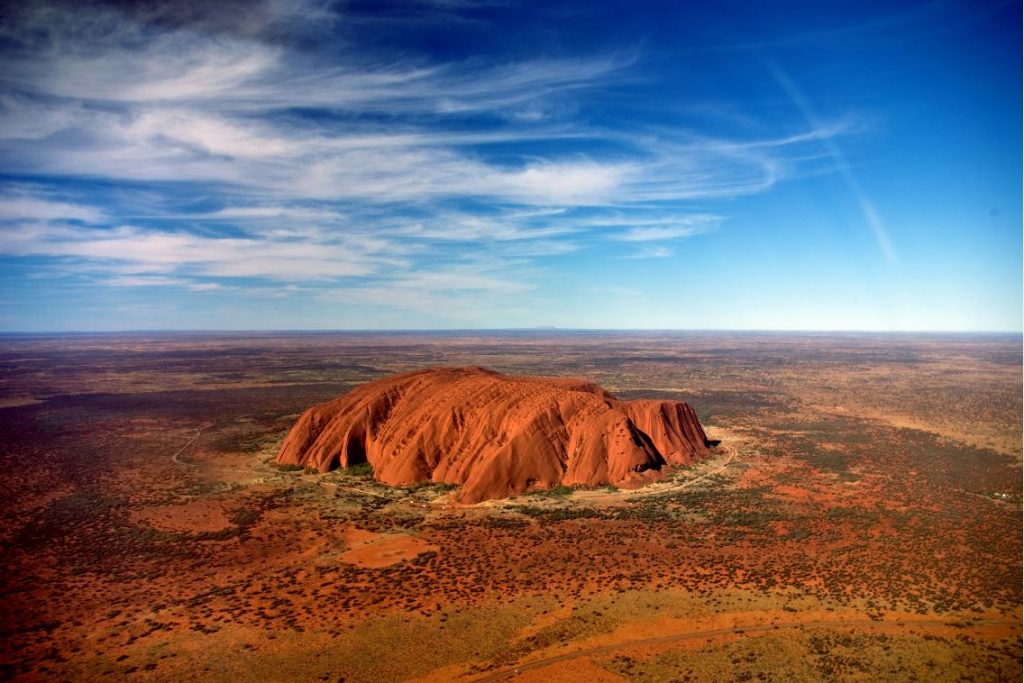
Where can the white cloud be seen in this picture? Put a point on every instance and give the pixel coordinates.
(133, 281)
(659, 233)
(292, 160)
(133, 103)
(210, 135)
(22, 206)
(650, 252)
(107, 57)
(454, 295)
(144, 281)
(147, 251)
(566, 182)
(301, 182)
(29, 119)
(271, 212)
(468, 228)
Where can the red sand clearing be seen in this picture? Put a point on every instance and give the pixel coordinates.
(495, 435)
(367, 549)
(192, 517)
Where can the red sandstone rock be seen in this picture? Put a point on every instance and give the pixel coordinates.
(495, 435)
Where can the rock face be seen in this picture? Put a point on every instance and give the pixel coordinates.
(496, 435)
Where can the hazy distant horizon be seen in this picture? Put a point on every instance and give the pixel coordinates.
(518, 330)
(296, 164)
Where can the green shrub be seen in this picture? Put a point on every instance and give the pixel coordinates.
(558, 491)
(363, 469)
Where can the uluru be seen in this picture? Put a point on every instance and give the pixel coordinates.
(494, 435)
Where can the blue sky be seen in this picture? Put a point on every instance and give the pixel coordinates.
(300, 164)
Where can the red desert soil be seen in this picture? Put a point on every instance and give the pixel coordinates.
(494, 434)
(192, 517)
(367, 549)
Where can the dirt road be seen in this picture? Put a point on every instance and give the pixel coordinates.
(174, 458)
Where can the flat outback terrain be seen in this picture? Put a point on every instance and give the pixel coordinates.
(860, 518)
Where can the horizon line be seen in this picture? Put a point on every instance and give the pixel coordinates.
(536, 329)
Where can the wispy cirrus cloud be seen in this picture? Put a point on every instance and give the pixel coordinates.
(26, 206)
(105, 56)
(650, 252)
(140, 251)
(665, 227)
(272, 160)
(457, 293)
(161, 281)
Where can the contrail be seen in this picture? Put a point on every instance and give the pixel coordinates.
(867, 208)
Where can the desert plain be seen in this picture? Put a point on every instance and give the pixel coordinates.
(860, 518)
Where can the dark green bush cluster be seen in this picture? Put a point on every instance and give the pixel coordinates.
(559, 491)
(363, 469)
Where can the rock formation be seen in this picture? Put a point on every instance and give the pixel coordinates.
(495, 435)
